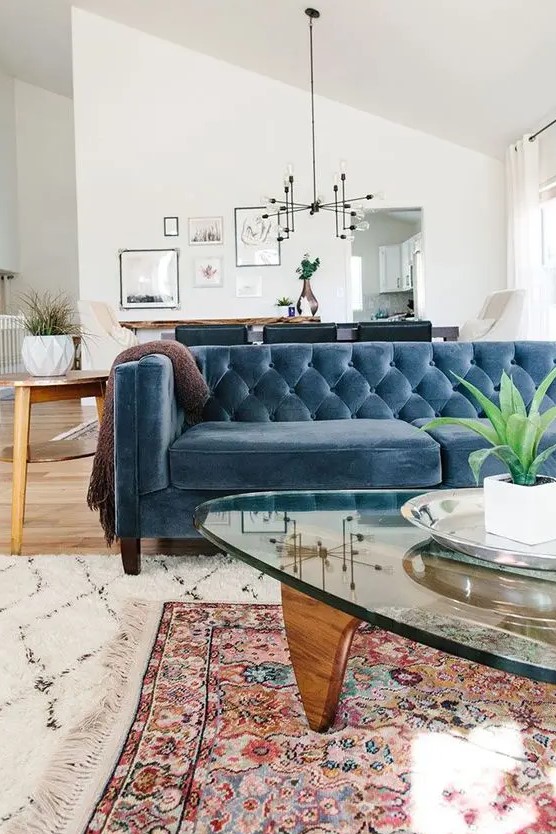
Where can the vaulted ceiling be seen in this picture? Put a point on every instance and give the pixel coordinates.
(476, 72)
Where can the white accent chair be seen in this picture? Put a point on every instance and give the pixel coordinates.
(499, 320)
(103, 336)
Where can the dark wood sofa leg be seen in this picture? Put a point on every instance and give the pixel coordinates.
(131, 555)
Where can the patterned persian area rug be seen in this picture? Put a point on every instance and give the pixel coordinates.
(75, 637)
(422, 744)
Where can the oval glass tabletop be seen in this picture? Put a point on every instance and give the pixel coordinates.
(353, 551)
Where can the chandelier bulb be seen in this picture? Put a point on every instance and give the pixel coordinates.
(342, 166)
(362, 227)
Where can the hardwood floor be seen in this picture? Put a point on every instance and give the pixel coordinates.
(57, 519)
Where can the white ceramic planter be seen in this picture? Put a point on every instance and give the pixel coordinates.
(521, 513)
(47, 355)
(283, 311)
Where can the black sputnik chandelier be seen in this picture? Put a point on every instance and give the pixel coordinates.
(349, 214)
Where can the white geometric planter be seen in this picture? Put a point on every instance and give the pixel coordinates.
(47, 355)
(524, 514)
(283, 311)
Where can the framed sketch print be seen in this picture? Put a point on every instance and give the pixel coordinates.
(263, 522)
(206, 231)
(249, 286)
(256, 238)
(208, 272)
(149, 278)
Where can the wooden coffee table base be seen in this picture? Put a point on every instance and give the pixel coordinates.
(319, 638)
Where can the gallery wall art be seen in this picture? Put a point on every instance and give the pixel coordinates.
(256, 238)
(208, 272)
(149, 278)
(206, 231)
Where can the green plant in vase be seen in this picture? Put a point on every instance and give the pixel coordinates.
(307, 304)
(512, 508)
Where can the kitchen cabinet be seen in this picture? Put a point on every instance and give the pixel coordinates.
(390, 267)
(397, 264)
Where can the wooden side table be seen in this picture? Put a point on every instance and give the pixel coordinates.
(29, 390)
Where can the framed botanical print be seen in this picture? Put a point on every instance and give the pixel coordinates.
(256, 238)
(208, 272)
(149, 278)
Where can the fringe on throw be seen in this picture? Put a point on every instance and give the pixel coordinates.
(73, 780)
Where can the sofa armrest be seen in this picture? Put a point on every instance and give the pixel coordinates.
(147, 420)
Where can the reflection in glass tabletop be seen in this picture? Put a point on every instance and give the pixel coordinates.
(347, 557)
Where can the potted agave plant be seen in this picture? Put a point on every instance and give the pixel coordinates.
(50, 321)
(520, 505)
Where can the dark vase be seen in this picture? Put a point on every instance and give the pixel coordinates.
(307, 295)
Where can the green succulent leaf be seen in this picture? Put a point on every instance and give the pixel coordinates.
(540, 393)
(503, 453)
(522, 437)
(539, 460)
(546, 419)
(476, 426)
(490, 409)
(511, 401)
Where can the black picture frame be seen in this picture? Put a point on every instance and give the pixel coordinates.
(275, 526)
(130, 277)
(170, 222)
(263, 255)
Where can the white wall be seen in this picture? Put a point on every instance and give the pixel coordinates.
(161, 130)
(8, 177)
(47, 208)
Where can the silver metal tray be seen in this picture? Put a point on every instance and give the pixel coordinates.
(456, 519)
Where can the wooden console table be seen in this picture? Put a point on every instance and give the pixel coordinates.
(33, 389)
(170, 324)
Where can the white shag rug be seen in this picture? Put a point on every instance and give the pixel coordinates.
(58, 614)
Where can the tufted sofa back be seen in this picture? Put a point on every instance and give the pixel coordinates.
(381, 380)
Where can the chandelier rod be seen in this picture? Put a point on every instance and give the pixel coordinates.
(312, 14)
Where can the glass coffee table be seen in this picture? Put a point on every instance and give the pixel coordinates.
(344, 558)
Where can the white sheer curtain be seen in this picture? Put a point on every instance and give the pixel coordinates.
(525, 270)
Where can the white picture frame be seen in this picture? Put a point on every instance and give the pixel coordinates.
(249, 286)
(209, 272)
(206, 231)
(149, 278)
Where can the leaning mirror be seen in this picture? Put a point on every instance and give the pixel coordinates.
(387, 265)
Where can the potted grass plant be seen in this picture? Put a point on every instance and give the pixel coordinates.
(521, 504)
(51, 323)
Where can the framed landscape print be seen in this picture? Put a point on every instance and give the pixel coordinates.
(208, 272)
(206, 231)
(149, 278)
(256, 238)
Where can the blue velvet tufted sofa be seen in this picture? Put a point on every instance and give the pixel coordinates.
(302, 416)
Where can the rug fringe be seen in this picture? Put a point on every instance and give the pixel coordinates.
(64, 798)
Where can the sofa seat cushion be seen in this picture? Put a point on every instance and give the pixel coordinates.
(320, 454)
(456, 444)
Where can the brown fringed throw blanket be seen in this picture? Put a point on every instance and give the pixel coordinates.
(191, 392)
